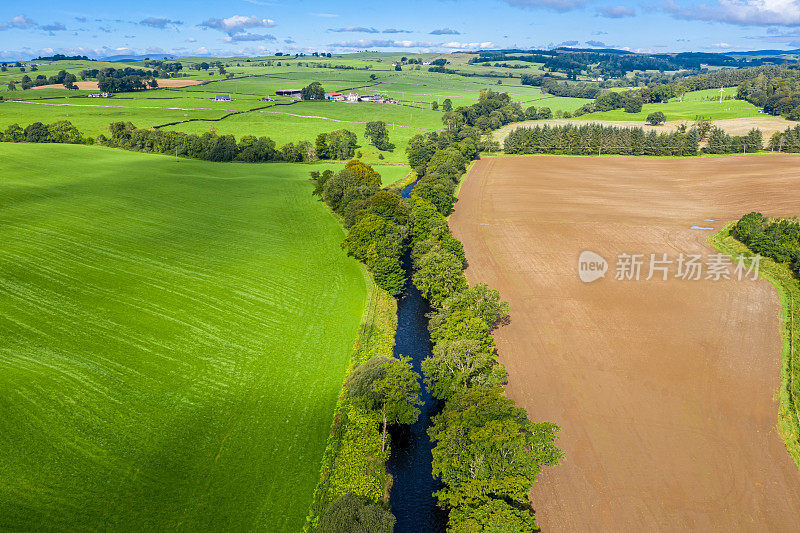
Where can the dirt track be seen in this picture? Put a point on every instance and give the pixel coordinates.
(665, 390)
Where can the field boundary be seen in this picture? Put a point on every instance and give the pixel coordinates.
(376, 337)
(788, 287)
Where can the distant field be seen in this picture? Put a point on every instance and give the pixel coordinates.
(703, 104)
(173, 338)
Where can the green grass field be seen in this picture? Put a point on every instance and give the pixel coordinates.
(173, 340)
(704, 104)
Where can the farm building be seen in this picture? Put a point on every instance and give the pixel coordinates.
(100, 95)
(334, 96)
(222, 98)
(292, 93)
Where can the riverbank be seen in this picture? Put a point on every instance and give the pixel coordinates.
(353, 461)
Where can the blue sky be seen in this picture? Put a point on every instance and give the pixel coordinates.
(254, 27)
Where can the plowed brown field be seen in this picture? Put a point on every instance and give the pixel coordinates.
(665, 390)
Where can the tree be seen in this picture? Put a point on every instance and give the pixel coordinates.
(434, 106)
(351, 514)
(439, 275)
(387, 385)
(153, 83)
(484, 302)
(341, 144)
(633, 105)
(494, 516)
(447, 105)
(313, 91)
(486, 449)
(654, 119)
(377, 133)
(321, 145)
(36, 133)
(459, 364)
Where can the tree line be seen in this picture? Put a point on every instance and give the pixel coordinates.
(588, 139)
(778, 239)
(338, 145)
(486, 451)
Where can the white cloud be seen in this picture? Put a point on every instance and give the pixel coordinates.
(740, 12)
(445, 31)
(555, 5)
(243, 37)
(20, 22)
(160, 23)
(616, 12)
(381, 43)
(237, 24)
(353, 29)
(455, 45)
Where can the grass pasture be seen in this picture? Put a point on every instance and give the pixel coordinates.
(695, 104)
(173, 339)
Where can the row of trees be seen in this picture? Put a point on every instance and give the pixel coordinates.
(590, 139)
(62, 131)
(382, 388)
(777, 239)
(62, 78)
(337, 145)
(377, 220)
(786, 141)
(487, 453)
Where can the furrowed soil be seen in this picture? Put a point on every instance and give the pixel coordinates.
(665, 390)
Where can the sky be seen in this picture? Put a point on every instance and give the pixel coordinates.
(257, 27)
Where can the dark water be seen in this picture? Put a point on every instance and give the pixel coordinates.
(412, 500)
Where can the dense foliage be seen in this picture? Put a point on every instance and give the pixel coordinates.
(377, 220)
(208, 146)
(777, 239)
(62, 131)
(786, 141)
(598, 139)
(486, 452)
(351, 514)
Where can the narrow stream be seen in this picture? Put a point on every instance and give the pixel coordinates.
(411, 499)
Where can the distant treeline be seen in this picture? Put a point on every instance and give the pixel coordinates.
(775, 88)
(61, 57)
(777, 239)
(555, 87)
(590, 139)
(62, 78)
(615, 64)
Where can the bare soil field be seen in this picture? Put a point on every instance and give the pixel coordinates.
(665, 390)
(92, 85)
(734, 126)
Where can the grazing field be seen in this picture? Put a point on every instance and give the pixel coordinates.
(173, 339)
(665, 390)
(191, 108)
(702, 104)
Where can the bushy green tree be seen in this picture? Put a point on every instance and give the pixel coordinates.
(351, 514)
(486, 449)
(378, 135)
(387, 385)
(654, 119)
(313, 91)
